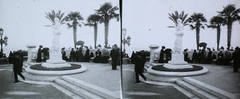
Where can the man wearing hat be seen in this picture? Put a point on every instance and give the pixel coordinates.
(17, 66)
(114, 55)
(39, 54)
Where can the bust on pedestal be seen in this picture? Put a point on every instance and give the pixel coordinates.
(177, 61)
(55, 59)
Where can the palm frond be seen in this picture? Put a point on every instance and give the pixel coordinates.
(174, 16)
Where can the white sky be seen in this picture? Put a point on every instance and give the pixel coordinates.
(24, 23)
(146, 22)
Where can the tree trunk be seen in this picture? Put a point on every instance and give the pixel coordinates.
(95, 35)
(218, 35)
(229, 34)
(74, 35)
(106, 24)
(197, 36)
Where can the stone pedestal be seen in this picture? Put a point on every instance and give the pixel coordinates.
(30, 52)
(177, 61)
(153, 53)
(55, 60)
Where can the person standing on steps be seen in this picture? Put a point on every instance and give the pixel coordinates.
(17, 66)
(139, 66)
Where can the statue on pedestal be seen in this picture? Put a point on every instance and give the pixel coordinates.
(177, 61)
(56, 40)
(178, 42)
(55, 54)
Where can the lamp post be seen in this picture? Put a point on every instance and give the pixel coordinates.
(125, 41)
(3, 41)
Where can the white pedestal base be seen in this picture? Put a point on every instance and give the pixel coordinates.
(50, 65)
(177, 62)
(179, 66)
(55, 61)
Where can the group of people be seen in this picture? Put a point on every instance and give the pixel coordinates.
(79, 55)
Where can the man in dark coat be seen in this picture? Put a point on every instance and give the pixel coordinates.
(139, 66)
(114, 55)
(236, 59)
(133, 58)
(161, 57)
(209, 56)
(87, 55)
(39, 54)
(98, 56)
(17, 66)
(72, 55)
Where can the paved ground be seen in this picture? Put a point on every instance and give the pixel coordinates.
(221, 77)
(132, 90)
(21, 90)
(101, 75)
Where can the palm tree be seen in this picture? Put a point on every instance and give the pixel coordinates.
(72, 18)
(230, 15)
(51, 15)
(107, 12)
(174, 16)
(93, 20)
(196, 21)
(215, 23)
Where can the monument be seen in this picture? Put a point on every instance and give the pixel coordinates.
(177, 61)
(55, 60)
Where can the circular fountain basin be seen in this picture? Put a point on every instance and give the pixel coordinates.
(170, 76)
(41, 75)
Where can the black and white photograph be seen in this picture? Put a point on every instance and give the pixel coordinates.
(120, 49)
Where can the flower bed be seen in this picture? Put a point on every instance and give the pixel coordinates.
(39, 67)
(161, 68)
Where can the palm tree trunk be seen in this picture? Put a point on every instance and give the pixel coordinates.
(106, 25)
(74, 35)
(218, 36)
(197, 37)
(95, 35)
(229, 34)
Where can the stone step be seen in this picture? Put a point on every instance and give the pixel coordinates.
(92, 88)
(210, 89)
(187, 93)
(77, 90)
(67, 92)
(197, 91)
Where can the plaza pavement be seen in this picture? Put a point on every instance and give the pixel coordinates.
(100, 74)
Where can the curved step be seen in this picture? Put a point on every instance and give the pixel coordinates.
(79, 91)
(92, 88)
(195, 90)
(210, 89)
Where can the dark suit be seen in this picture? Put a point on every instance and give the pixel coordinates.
(39, 55)
(17, 67)
(114, 55)
(98, 57)
(236, 61)
(139, 66)
(161, 56)
(87, 56)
